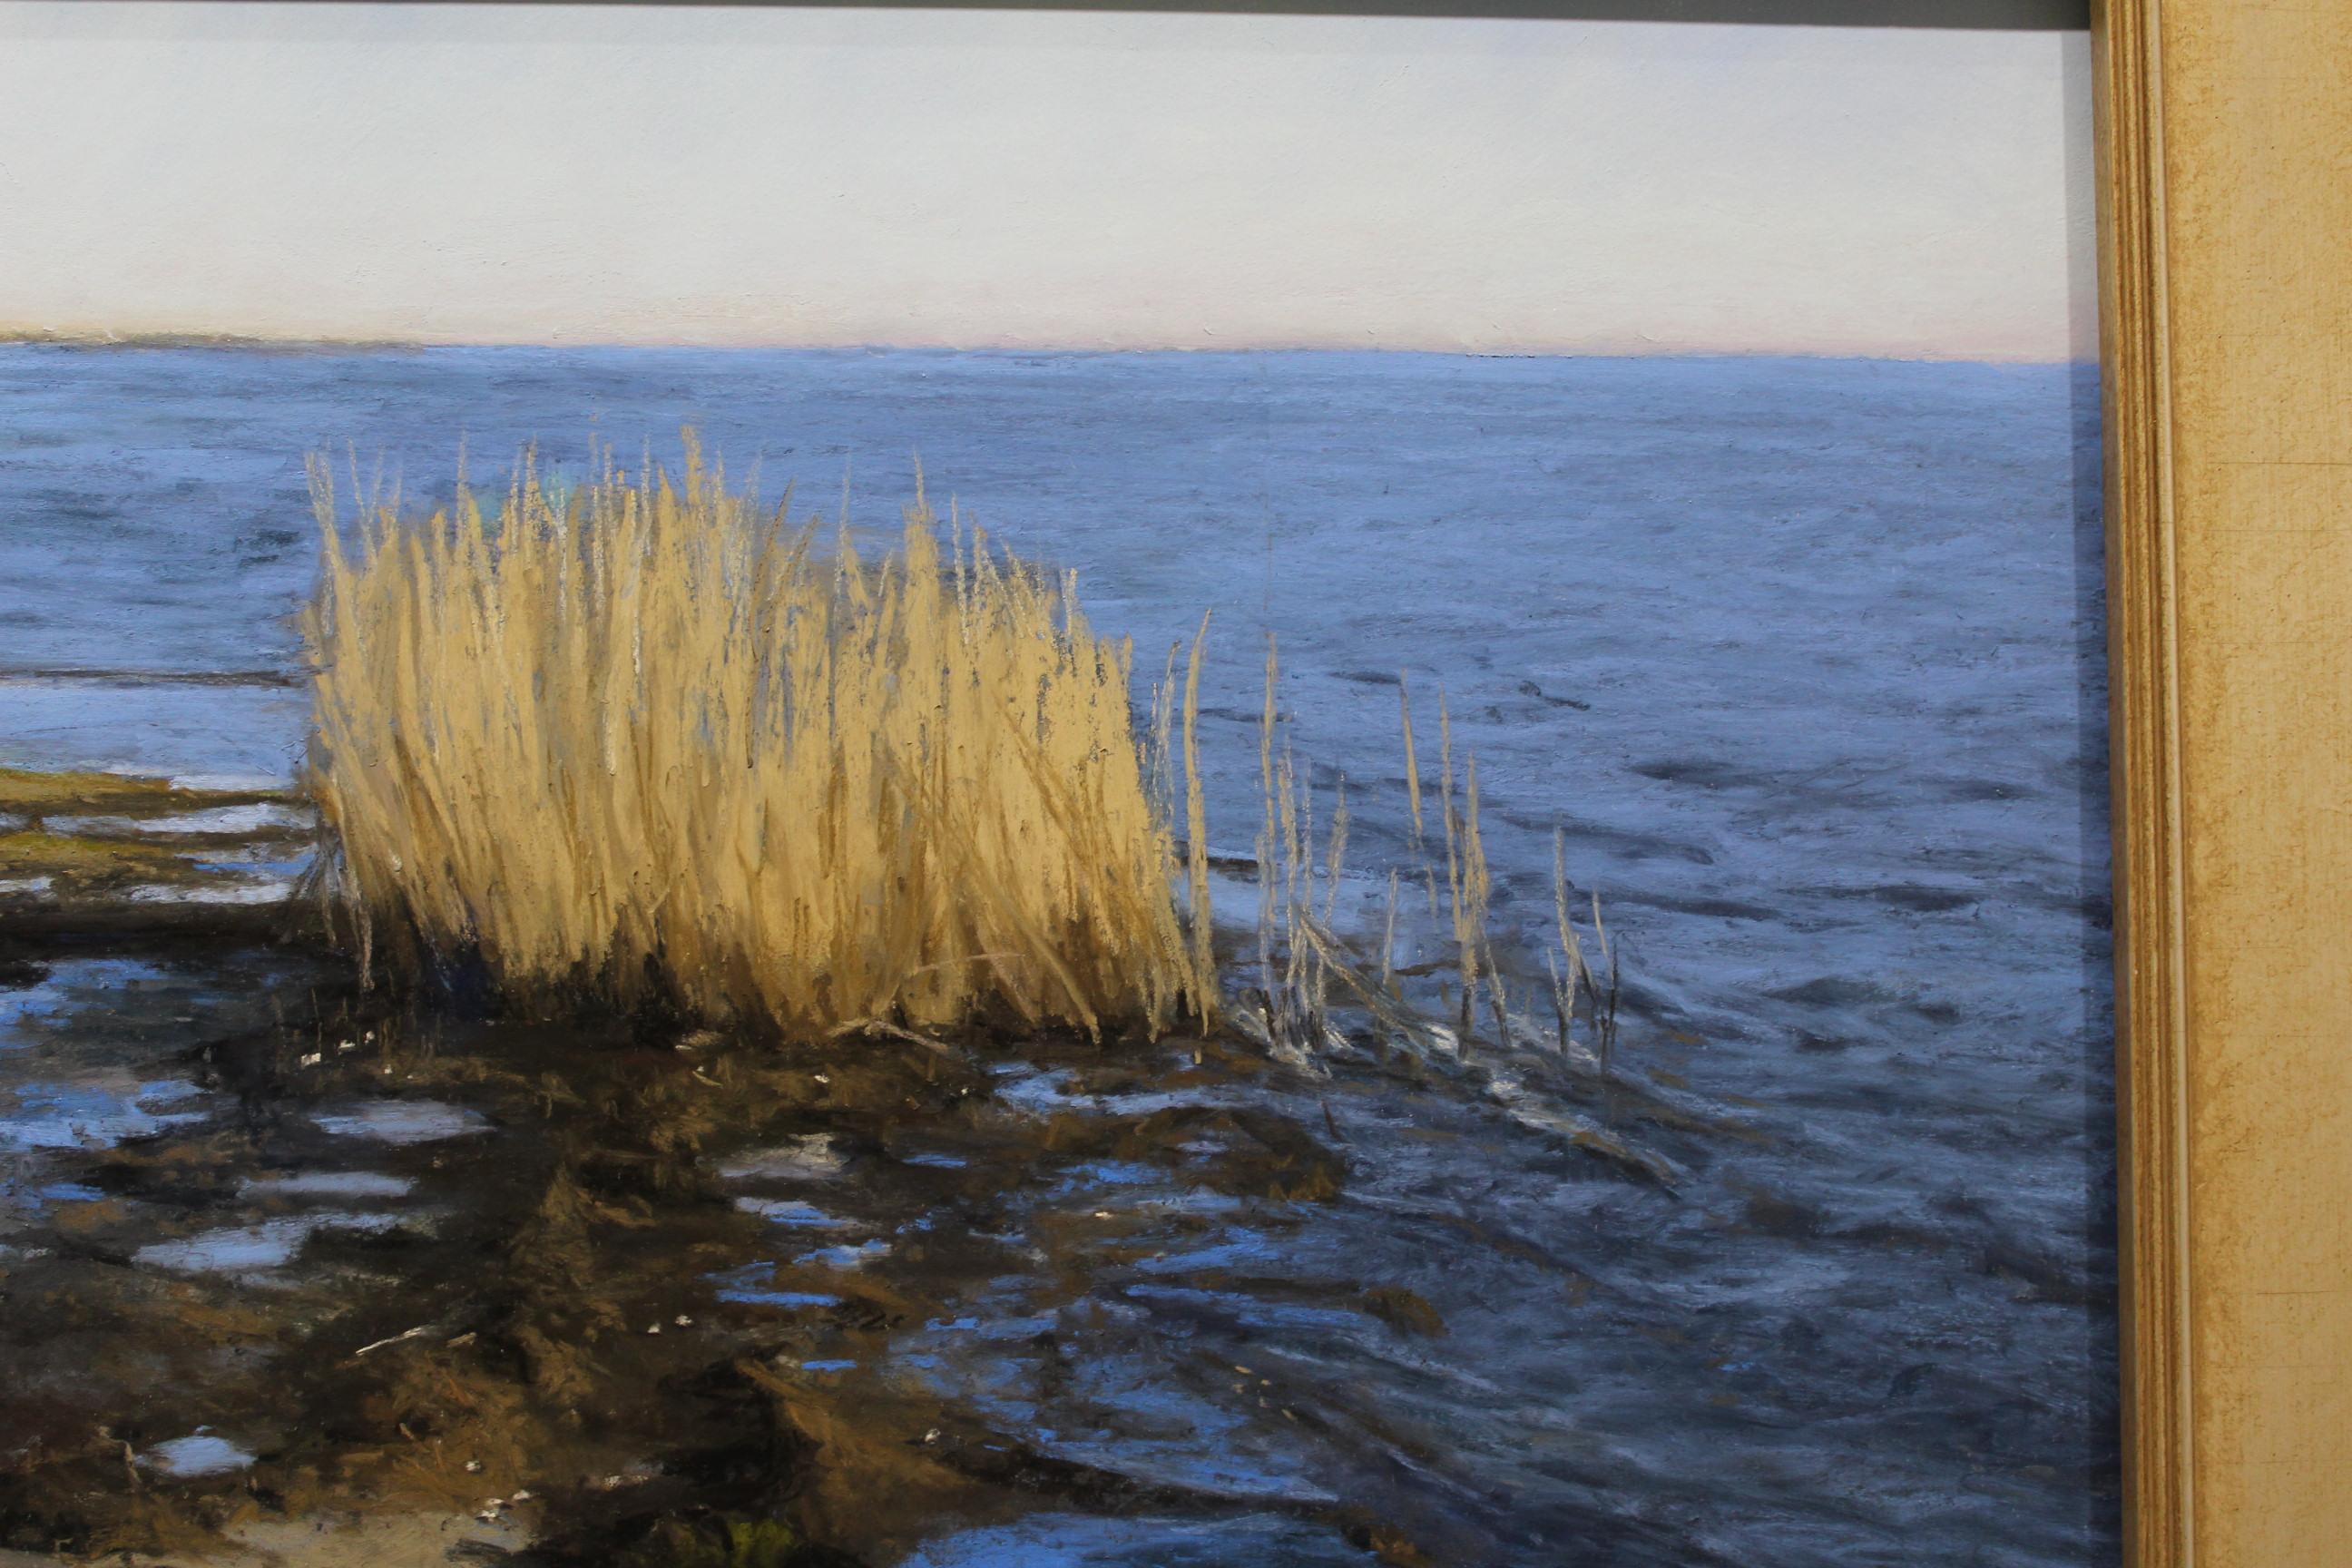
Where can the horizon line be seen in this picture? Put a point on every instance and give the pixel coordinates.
(101, 339)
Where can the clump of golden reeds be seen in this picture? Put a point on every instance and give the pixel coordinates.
(644, 733)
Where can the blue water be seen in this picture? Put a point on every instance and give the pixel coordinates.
(1804, 657)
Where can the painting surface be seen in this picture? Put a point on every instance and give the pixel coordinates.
(805, 788)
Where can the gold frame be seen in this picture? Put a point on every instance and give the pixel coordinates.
(2227, 346)
(2142, 732)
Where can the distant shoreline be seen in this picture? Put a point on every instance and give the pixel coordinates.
(237, 341)
(99, 342)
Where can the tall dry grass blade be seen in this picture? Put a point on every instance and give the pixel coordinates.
(1161, 754)
(1268, 844)
(1196, 837)
(1335, 858)
(1411, 759)
(1478, 881)
(1388, 940)
(1606, 993)
(1294, 955)
(1413, 797)
(1458, 876)
(1572, 947)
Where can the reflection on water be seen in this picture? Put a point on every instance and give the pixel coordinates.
(405, 1121)
(99, 1107)
(250, 1250)
(199, 1454)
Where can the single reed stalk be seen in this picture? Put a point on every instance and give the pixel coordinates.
(1268, 851)
(1463, 895)
(1388, 940)
(1563, 985)
(1335, 860)
(1412, 761)
(1196, 822)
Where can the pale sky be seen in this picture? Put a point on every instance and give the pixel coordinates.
(781, 176)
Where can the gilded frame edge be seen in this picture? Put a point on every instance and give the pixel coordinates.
(2151, 1056)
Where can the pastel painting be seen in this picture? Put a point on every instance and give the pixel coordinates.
(826, 789)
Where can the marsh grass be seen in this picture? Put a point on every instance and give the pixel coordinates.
(85, 836)
(34, 794)
(1322, 994)
(642, 738)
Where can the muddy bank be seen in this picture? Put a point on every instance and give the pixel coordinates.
(276, 1253)
(96, 854)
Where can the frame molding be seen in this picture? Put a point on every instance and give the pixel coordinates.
(2151, 1084)
(2225, 143)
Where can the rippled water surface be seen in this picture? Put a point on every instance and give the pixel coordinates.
(1803, 658)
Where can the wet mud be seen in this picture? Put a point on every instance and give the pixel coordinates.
(277, 1251)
